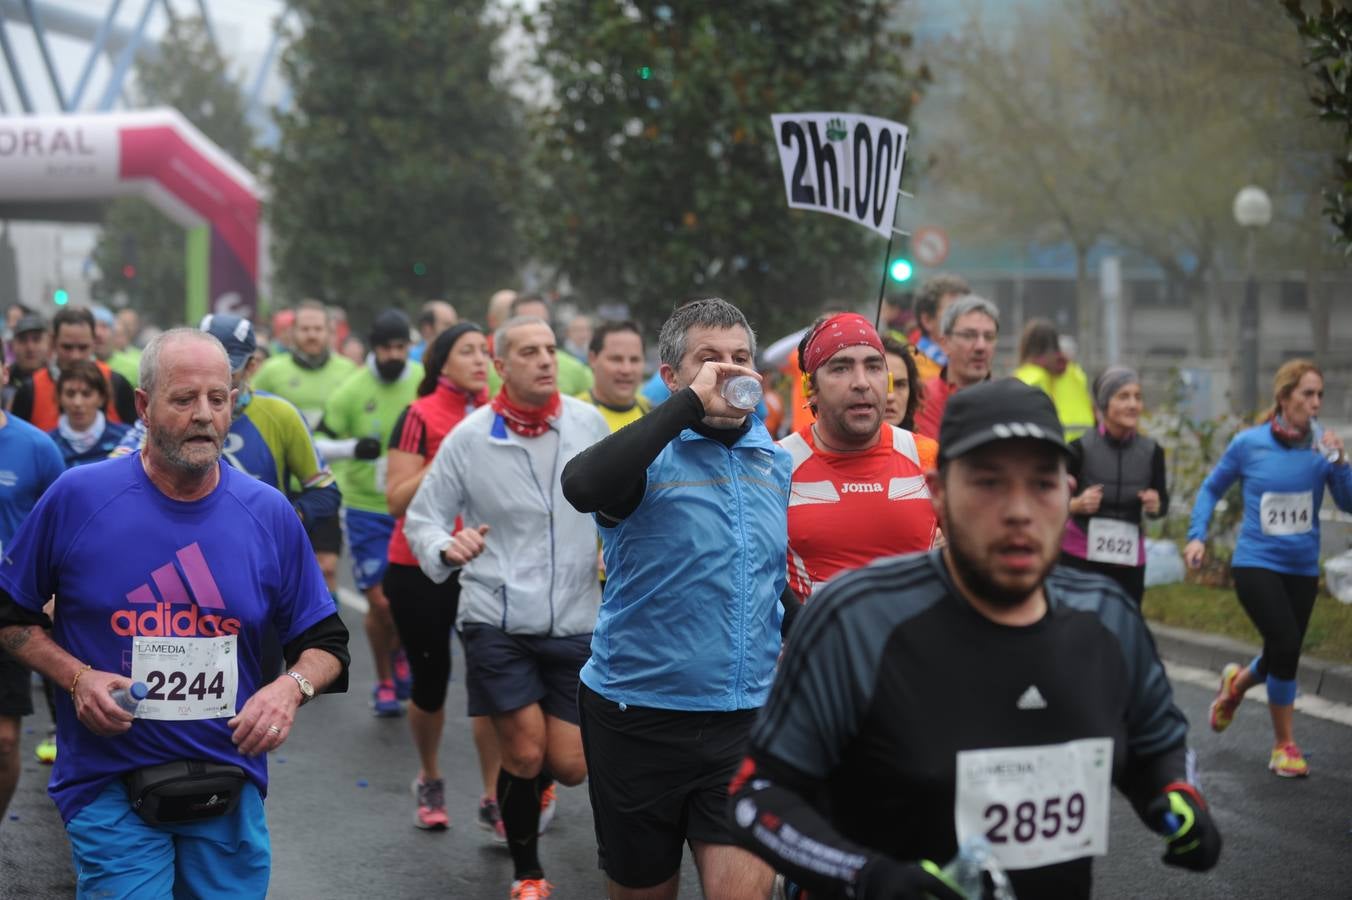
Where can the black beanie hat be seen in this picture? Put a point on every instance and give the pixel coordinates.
(389, 326)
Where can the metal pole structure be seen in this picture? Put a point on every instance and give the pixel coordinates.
(95, 49)
(264, 69)
(1110, 287)
(1248, 332)
(125, 59)
(35, 22)
(206, 23)
(20, 87)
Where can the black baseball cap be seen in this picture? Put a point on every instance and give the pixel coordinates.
(30, 322)
(1000, 410)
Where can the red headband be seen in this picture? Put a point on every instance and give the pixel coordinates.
(834, 335)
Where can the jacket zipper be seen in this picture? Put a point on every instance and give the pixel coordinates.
(740, 596)
(549, 507)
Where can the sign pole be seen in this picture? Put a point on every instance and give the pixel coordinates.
(887, 263)
(882, 287)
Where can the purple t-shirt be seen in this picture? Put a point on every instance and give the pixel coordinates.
(125, 561)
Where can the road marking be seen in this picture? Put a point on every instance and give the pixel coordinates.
(1311, 706)
(355, 600)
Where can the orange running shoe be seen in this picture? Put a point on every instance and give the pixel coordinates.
(531, 889)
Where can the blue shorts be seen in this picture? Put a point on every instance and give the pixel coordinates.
(116, 854)
(368, 540)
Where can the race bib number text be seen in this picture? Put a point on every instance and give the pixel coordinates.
(1036, 805)
(1114, 541)
(1287, 513)
(186, 678)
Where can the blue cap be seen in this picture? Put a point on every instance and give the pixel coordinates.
(236, 333)
(103, 315)
(138, 690)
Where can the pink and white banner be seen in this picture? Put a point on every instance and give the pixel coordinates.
(156, 154)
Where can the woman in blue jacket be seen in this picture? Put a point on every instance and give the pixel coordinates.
(82, 432)
(1284, 464)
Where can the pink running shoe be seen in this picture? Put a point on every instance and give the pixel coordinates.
(430, 799)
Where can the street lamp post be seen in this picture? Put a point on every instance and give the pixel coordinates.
(1253, 210)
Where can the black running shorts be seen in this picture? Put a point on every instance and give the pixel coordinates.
(657, 778)
(16, 695)
(504, 672)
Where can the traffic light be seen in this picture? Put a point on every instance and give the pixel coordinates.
(60, 296)
(900, 269)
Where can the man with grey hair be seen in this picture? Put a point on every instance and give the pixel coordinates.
(934, 295)
(969, 328)
(574, 376)
(692, 504)
(529, 588)
(169, 800)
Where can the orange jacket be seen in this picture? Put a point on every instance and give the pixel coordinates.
(46, 406)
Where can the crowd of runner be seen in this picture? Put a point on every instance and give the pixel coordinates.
(823, 642)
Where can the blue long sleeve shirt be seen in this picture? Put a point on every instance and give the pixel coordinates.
(1283, 488)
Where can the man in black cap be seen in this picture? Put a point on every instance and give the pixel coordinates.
(353, 435)
(970, 692)
(31, 347)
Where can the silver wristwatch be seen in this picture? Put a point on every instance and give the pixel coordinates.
(307, 690)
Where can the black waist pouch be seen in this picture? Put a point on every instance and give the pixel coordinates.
(184, 791)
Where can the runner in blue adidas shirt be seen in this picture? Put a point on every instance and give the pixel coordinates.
(1284, 467)
(216, 559)
(29, 463)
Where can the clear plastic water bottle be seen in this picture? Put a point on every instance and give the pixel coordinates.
(1331, 454)
(130, 697)
(743, 391)
(965, 870)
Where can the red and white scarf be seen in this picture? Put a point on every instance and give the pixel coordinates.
(527, 421)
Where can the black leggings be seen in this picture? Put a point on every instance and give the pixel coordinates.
(1132, 578)
(1279, 606)
(424, 615)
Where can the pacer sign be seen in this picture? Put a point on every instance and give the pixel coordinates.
(844, 164)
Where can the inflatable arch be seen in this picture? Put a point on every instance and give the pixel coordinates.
(64, 168)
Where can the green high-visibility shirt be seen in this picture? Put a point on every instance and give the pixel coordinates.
(127, 363)
(366, 406)
(308, 389)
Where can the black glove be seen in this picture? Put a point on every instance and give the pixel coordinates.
(1180, 814)
(887, 879)
(367, 448)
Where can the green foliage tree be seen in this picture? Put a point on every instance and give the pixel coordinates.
(1205, 94)
(1138, 122)
(141, 252)
(1021, 145)
(392, 181)
(1327, 35)
(658, 168)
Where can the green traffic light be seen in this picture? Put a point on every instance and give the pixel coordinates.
(645, 72)
(60, 297)
(419, 268)
(901, 270)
